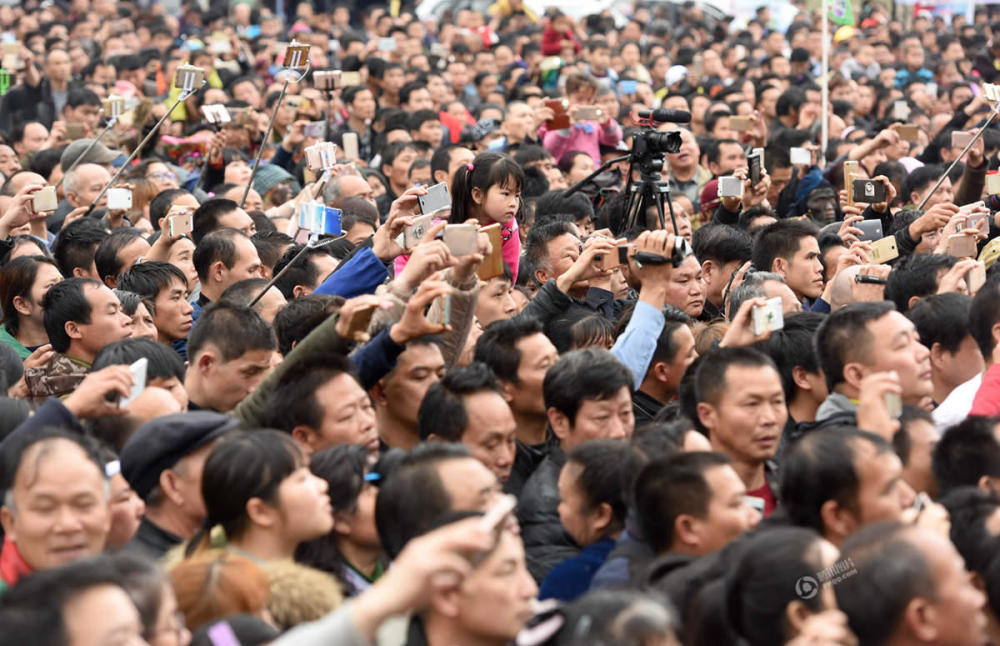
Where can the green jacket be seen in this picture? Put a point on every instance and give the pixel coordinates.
(9, 339)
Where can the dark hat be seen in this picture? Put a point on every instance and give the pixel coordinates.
(162, 442)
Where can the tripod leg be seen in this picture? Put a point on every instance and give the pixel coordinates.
(670, 205)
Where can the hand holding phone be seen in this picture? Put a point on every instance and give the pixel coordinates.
(461, 239)
(45, 200)
(768, 316)
(138, 370)
(437, 199)
(119, 199)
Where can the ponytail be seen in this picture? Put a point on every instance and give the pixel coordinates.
(486, 170)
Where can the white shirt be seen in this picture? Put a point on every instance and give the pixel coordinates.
(956, 406)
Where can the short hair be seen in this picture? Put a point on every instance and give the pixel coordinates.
(301, 316)
(915, 276)
(76, 244)
(969, 511)
(18, 445)
(215, 247)
(394, 150)
(560, 202)
(17, 278)
(942, 319)
(355, 210)
(710, 377)
(889, 571)
(792, 346)
(442, 412)
(965, 453)
(536, 246)
(270, 245)
(244, 291)
(303, 271)
(497, 347)
(530, 153)
(420, 117)
(233, 329)
(148, 279)
(159, 206)
(607, 468)
(65, 301)
(408, 89)
(294, 401)
(984, 313)
(919, 179)
(722, 244)
(81, 96)
(668, 487)
(206, 217)
(844, 337)
(412, 498)
(590, 374)
(106, 255)
(820, 467)
(781, 239)
(164, 362)
(789, 100)
(751, 287)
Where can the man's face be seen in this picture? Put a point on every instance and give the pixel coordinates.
(108, 323)
(249, 93)
(964, 364)
(896, 346)
(430, 131)
(686, 288)
(918, 473)
(420, 99)
(35, 137)
(537, 356)
(102, 614)
(804, 271)
(747, 420)
(417, 368)
(131, 252)
(238, 219)
(730, 158)
(942, 195)
(563, 252)
(958, 605)
(683, 340)
(689, 153)
(8, 161)
(519, 123)
(363, 106)
(470, 485)
(173, 312)
(399, 171)
(57, 66)
(882, 492)
(490, 432)
(495, 301)
(61, 511)
(393, 80)
(458, 77)
(780, 177)
(91, 179)
(459, 157)
(729, 514)
(228, 382)
(348, 416)
(601, 419)
(88, 115)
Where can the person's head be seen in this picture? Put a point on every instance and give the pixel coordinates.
(968, 454)
(519, 354)
(75, 246)
(686, 287)
(229, 353)
(305, 274)
(592, 490)
(496, 301)
(56, 494)
(160, 205)
(576, 165)
(914, 443)
(82, 316)
(360, 102)
(344, 187)
(117, 253)
(916, 277)
(398, 394)
(83, 184)
(519, 122)
(984, 319)
(673, 355)
(741, 402)
(396, 161)
(83, 107)
(433, 478)
(919, 183)
(488, 189)
(218, 584)
(792, 350)
(219, 213)
(467, 406)
(24, 282)
(446, 161)
(225, 257)
(588, 395)
(321, 404)
(551, 249)
(149, 588)
(257, 483)
(164, 367)
(839, 479)
(721, 249)
(910, 586)
(942, 321)
(82, 603)
(245, 291)
(789, 248)
(691, 503)
(865, 338)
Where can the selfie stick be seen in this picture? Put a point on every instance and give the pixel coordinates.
(305, 248)
(267, 134)
(111, 124)
(183, 96)
(993, 115)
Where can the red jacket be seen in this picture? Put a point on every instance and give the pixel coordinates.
(552, 41)
(987, 401)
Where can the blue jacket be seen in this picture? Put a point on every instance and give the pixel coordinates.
(361, 274)
(571, 578)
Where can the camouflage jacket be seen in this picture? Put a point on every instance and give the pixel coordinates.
(57, 378)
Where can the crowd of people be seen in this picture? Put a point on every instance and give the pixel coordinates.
(753, 408)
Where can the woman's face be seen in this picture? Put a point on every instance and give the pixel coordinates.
(305, 506)
(378, 188)
(46, 277)
(237, 172)
(362, 521)
(182, 257)
(126, 512)
(170, 629)
(161, 176)
(142, 324)
(583, 165)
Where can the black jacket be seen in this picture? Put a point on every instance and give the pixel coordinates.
(546, 543)
(526, 460)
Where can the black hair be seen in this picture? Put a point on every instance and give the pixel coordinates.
(16, 446)
(300, 317)
(721, 243)
(233, 329)
(441, 159)
(789, 100)
(497, 347)
(442, 411)
(984, 313)
(270, 245)
(164, 363)
(206, 217)
(666, 488)
(76, 244)
(942, 319)
(606, 470)
(844, 337)
(65, 301)
(710, 377)
(820, 467)
(969, 512)
(918, 180)
(243, 465)
(583, 375)
(915, 276)
(148, 279)
(303, 272)
(557, 202)
(144, 581)
(106, 255)
(160, 205)
(17, 278)
(537, 245)
(215, 247)
(244, 291)
(965, 453)
(294, 401)
(781, 239)
(488, 169)
(792, 346)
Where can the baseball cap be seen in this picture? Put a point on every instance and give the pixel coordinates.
(98, 154)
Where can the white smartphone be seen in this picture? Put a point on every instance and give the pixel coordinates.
(181, 224)
(461, 239)
(768, 316)
(138, 370)
(119, 199)
(801, 156)
(45, 200)
(730, 186)
(350, 143)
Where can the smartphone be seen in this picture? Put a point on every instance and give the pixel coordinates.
(993, 182)
(216, 114)
(350, 79)
(900, 110)
(768, 316)
(314, 130)
(607, 262)
(628, 86)
(413, 234)
(741, 124)
(387, 44)
(461, 239)
(180, 224)
(219, 45)
(324, 80)
(869, 191)
(492, 265)
(119, 199)
(189, 78)
(113, 107)
(961, 245)
(730, 186)
(350, 144)
(871, 230)
(961, 139)
(973, 220)
(884, 250)
(850, 170)
(587, 113)
(754, 164)
(908, 132)
(358, 328)
(45, 200)
(296, 55)
(560, 120)
(437, 199)
(801, 156)
(894, 404)
(446, 309)
(138, 370)
(74, 131)
(976, 278)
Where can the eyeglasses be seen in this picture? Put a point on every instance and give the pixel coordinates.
(162, 176)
